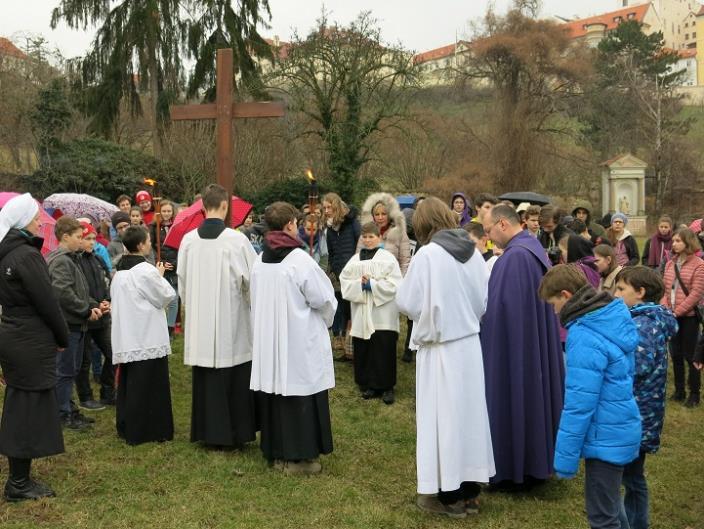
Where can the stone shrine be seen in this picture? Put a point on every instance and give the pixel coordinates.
(623, 190)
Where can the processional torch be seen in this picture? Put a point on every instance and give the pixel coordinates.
(312, 203)
(156, 200)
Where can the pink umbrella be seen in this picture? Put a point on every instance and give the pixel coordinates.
(48, 223)
(192, 217)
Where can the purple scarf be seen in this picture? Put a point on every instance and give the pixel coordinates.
(660, 248)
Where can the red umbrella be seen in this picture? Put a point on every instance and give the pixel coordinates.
(192, 217)
(47, 229)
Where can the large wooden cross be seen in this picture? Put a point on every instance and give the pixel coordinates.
(224, 110)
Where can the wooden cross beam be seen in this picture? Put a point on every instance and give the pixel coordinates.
(225, 110)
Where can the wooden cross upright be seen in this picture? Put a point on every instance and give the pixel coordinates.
(224, 110)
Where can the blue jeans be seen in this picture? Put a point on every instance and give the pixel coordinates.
(172, 313)
(635, 502)
(68, 364)
(342, 316)
(602, 494)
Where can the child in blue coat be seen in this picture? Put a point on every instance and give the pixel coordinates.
(641, 288)
(600, 420)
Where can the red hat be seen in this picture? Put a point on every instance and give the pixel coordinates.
(87, 229)
(142, 196)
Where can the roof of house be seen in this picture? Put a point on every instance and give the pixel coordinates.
(701, 11)
(687, 53)
(578, 28)
(8, 48)
(439, 53)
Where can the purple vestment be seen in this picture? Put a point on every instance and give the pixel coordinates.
(523, 364)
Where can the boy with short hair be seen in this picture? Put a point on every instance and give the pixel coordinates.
(98, 333)
(77, 307)
(532, 220)
(141, 344)
(479, 238)
(369, 281)
(293, 304)
(641, 289)
(124, 203)
(600, 420)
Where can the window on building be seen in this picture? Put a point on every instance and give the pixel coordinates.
(686, 36)
(631, 16)
(694, 35)
(618, 19)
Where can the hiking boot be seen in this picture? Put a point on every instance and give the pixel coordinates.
(677, 396)
(692, 401)
(431, 504)
(471, 506)
(306, 467)
(388, 397)
(82, 418)
(91, 405)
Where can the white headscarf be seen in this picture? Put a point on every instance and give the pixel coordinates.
(18, 212)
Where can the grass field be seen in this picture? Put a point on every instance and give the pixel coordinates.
(368, 482)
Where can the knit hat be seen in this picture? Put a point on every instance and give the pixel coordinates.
(118, 217)
(621, 216)
(87, 229)
(142, 196)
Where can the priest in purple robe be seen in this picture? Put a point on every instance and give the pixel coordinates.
(523, 361)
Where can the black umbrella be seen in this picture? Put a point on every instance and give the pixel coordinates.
(526, 196)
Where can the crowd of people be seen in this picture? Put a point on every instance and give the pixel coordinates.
(538, 336)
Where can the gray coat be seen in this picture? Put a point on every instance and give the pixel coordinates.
(70, 287)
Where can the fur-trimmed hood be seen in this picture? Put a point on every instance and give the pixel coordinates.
(396, 217)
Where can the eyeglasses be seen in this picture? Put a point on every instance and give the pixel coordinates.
(493, 225)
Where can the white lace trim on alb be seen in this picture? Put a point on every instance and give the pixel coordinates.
(142, 354)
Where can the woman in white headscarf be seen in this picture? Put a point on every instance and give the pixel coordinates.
(32, 330)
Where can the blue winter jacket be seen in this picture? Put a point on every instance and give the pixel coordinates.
(656, 326)
(600, 418)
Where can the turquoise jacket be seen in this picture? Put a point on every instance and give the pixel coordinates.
(600, 419)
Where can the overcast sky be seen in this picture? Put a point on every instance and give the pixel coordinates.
(418, 24)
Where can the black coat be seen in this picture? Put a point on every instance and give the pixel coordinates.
(168, 254)
(96, 274)
(32, 326)
(342, 243)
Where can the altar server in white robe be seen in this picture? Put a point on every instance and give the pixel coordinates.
(214, 265)
(369, 282)
(293, 304)
(140, 343)
(445, 294)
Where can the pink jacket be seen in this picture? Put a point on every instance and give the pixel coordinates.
(692, 272)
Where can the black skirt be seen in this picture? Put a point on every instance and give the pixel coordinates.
(223, 411)
(375, 361)
(143, 412)
(30, 425)
(295, 428)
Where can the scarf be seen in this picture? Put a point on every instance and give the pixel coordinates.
(660, 248)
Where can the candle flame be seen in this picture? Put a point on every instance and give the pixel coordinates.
(150, 182)
(309, 175)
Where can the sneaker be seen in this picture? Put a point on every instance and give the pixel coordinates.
(471, 506)
(91, 405)
(431, 504)
(306, 467)
(677, 396)
(388, 397)
(692, 401)
(407, 356)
